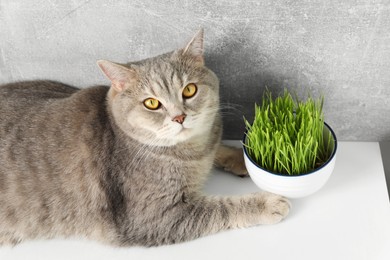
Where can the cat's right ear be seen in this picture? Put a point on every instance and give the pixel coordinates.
(195, 48)
(119, 75)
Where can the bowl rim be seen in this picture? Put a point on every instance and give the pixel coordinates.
(299, 175)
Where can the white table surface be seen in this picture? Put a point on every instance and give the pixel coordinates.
(348, 219)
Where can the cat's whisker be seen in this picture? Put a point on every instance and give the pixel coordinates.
(231, 107)
(141, 158)
(225, 111)
(140, 152)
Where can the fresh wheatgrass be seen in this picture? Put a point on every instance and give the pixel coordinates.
(287, 134)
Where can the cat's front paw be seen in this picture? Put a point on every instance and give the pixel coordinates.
(276, 208)
(231, 160)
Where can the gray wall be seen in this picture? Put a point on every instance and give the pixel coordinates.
(338, 48)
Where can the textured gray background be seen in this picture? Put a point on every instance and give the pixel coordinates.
(338, 48)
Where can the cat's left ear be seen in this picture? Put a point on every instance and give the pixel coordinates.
(121, 76)
(195, 49)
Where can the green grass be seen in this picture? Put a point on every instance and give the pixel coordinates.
(287, 134)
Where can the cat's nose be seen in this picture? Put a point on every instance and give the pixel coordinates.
(179, 119)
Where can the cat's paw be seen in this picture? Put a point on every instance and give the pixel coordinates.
(231, 159)
(276, 208)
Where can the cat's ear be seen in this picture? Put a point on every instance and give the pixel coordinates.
(120, 76)
(195, 49)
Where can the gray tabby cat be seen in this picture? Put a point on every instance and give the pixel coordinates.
(123, 165)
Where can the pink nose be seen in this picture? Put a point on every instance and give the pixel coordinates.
(179, 119)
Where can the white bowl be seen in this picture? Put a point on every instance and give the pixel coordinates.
(294, 186)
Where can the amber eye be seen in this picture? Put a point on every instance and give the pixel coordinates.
(190, 90)
(152, 103)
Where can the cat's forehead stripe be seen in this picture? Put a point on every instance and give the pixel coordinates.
(163, 79)
(166, 84)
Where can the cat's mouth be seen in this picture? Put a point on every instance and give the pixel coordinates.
(184, 129)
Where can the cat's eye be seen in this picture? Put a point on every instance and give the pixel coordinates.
(152, 103)
(189, 90)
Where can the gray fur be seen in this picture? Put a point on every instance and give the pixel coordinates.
(96, 163)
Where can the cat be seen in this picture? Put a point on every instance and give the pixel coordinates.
(122, 164)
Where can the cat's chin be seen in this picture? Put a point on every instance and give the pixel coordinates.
(181, 136)
(190, 135)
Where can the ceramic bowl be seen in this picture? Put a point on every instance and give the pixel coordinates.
(294, 186)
